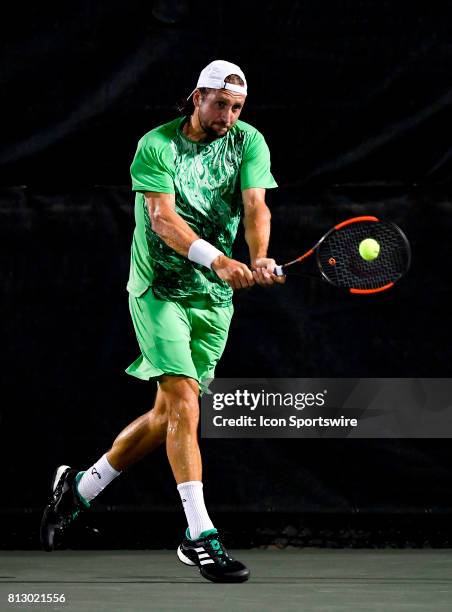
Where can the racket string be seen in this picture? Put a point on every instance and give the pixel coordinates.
(340, 262)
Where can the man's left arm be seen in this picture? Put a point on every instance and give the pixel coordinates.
(257, 219)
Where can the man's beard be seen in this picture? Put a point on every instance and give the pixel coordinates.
(210, 132)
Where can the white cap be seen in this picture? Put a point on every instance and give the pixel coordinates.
(214, 76)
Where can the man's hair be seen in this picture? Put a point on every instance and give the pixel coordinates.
(186, 107)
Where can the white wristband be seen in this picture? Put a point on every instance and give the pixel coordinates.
(202, 252)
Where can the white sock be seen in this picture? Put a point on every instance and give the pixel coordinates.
(96, 478)
(192, 497)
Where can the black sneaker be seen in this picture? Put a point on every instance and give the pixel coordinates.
(64, 507)
(209, 554)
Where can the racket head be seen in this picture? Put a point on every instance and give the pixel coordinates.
(341, 264)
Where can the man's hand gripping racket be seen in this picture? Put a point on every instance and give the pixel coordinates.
(362, 254)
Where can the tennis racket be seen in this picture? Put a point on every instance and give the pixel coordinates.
(339, 261)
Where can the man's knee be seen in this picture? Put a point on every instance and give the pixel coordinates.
(180, 395)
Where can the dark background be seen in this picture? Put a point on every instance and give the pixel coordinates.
(354, 99)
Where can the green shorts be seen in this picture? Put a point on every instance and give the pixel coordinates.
(177, 338)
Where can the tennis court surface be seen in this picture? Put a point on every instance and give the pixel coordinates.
(290, 579)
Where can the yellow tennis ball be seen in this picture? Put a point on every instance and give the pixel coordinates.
(369, 249)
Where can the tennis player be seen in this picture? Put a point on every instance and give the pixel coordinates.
(193, 177)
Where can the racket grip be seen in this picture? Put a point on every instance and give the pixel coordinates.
(278, 271)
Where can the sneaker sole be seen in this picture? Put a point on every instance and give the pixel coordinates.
(224, 579)
(47, 530)
(57, 475)
(183, 558)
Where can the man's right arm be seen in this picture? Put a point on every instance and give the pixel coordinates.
(167, 224)
(178, 235)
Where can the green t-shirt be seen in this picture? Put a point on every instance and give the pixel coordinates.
(207, 180)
